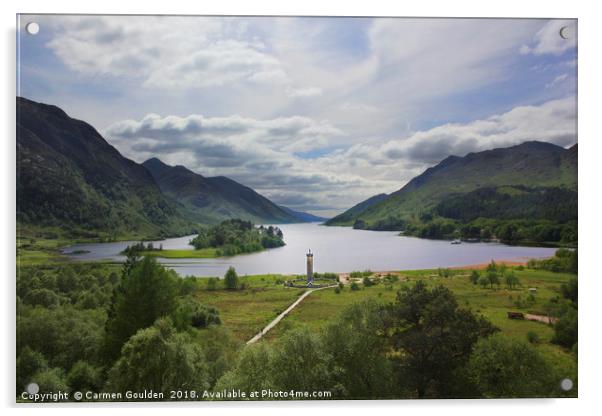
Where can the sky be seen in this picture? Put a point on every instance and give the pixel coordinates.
(316, 114)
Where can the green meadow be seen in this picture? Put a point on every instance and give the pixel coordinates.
(245, 312)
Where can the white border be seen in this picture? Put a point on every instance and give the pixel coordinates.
(590, 152)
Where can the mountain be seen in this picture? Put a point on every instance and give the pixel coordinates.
(213, 199)
(303, 216)
(68, 176)
(523, 172)
(349, 216)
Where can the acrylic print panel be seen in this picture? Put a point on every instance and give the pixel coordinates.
(276, 208)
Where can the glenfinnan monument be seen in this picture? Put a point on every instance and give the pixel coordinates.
(310, 268)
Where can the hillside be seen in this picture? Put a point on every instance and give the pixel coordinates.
(69, 177)
(213, 199)
(349, 216)
(528, 169)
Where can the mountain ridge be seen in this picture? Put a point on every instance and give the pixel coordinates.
(68, 175)
(533, 165)
(212, 199)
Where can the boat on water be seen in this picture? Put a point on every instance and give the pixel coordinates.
(456, 241)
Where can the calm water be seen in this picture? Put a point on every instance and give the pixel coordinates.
(336, 249)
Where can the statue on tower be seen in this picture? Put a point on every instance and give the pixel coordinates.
(310, 268)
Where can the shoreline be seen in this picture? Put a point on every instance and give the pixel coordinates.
(481, 266)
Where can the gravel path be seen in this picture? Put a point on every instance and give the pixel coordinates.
(272, 324)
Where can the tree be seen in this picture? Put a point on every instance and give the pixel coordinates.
(160, 359)
(504, 367)
(63, 335)
(493, 278)
(483, 281)
(221, 349)
(231, 279)
(511, 280)
(147, 292)
(51, 380)
(42, 297)
(252, 371)
(502, 269)
(432, 338)
(29, 363)
(211, 283)
(191, 313)
(566, 329)
(474, 277)
(300, 361)
(84, 376)
(358, 366)
(569, 291)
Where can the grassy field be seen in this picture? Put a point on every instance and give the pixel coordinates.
(204, 253)
(37, 251)
(246, 311)
(319, 308)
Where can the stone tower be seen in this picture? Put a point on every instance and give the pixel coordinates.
(310, 268)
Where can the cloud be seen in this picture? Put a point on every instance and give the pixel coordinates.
(548, 40)
(164, 51)
(557, 80)
(554, 122)
(339, 109)
(261, 153)
(304, 92)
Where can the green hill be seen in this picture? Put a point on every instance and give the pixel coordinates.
(70, 178)
(214, 199)
(539, 172)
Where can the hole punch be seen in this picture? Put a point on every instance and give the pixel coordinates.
(566, 384)
(32, 28)
(565, 32)
(33, 388)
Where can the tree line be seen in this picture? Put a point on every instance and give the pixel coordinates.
(235, 236)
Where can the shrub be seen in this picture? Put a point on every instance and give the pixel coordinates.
(354, 286)
(503, 367)
(231, 279)
(211, 283)
(566, 329)
(483, 282)
(474, 277)
(532, 337)
(511, 280)
(51, 380)
(83, 376)
(42, 297)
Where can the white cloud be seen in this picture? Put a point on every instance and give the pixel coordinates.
(164, 51)
(263, 153)
(548, 40)
(258, 153)
(553, 121)
(304, 92)
(274, 90)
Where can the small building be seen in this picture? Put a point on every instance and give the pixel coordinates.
(533, 290)
(516, 315)
(310, 268)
